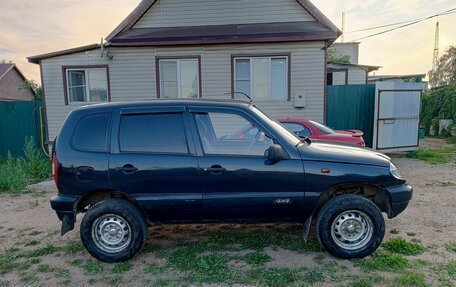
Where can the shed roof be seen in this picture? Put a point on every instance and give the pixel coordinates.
(368, 68)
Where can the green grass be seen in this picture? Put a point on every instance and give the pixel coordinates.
(122, 267)
(73, 247)
(433, 156)
(42, 268)
(278, 277)
(46, 250)
(150, 247)
(32, 243)
(395, 231)
(62, 273)
(153, 268)
(402, 246)
(92, 267)
(212, 268)
(383, 261)
(7, 261)
(410, 279)
(257, 258)
(451, 246)
(366, 281)
(451, 140)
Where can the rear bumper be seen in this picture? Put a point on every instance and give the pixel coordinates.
(400, 196)
(64, 206)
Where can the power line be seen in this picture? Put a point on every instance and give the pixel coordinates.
(447, 12)
(397, 23)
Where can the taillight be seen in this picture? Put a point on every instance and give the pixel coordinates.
(55, 168)
(361, 143)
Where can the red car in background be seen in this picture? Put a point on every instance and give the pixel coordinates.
(319, 132)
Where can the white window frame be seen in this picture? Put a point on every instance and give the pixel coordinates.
(252, 91)
(179, 84)
(87, 85)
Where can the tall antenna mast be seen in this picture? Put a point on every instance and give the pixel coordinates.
(342, 39)
(435, 58)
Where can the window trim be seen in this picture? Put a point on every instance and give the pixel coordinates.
(186, 57)
(83, 67)
(268, 55)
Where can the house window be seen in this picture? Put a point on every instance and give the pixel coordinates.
(179, 78)
(263, 78)
(86, 85)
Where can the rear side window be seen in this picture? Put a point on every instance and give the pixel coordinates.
(153, 133)
(91, 134)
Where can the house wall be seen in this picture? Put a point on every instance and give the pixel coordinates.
(357, 76)
(178, 13)
(12, 87)
(133, 76)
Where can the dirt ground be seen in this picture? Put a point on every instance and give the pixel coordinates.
(27, 223)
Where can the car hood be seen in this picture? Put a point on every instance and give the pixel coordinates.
(316, 151)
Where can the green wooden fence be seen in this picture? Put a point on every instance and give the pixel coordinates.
(19, 120)
(352, 107)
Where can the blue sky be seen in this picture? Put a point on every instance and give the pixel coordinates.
(38, 26)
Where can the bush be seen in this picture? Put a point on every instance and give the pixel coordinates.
(438, 104)
(12, 176)
(17, 173)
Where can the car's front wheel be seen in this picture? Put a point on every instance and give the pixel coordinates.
(113, 230)
(350, 226)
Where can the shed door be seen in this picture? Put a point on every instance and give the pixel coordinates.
(398, 118)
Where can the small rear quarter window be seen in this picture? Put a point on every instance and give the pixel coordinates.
(91, 133)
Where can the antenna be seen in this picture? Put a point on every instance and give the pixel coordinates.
(342, 38)
(242, 93)
(435, 58)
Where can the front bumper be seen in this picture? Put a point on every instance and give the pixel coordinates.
(65, 207)
(400, 196)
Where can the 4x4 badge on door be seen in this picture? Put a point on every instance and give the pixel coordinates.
(282, 201)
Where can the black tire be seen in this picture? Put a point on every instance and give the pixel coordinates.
(115, 210)
(365, 213)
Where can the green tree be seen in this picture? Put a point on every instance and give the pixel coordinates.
(445, 73)
(334, 58)
(35, 87)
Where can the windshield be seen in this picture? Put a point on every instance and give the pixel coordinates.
(294, 139)
(322, 128)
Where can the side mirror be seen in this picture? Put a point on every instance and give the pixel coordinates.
(275, 153)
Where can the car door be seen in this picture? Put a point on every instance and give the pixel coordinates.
(239, 183)
(154, 161)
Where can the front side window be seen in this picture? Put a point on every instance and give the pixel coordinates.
(87, 85)
(91, 133)
(153, 133)
(264, 78)
(298, 129)
(179, 78)
(231, 134)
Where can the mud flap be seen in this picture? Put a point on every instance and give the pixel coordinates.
(306, 229)
(67, 225)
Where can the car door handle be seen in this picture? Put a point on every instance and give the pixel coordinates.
(128, 168)
(215, 169)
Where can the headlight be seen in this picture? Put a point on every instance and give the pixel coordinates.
(394, 171)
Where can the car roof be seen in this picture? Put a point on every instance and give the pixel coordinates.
(164, 102)
(290, 120)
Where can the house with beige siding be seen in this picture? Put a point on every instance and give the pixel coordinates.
(274, 51)
(12, 84)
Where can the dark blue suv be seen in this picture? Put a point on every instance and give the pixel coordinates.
(132, 165)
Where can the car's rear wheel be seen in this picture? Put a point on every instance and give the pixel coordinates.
(350, 226)
(113, 230)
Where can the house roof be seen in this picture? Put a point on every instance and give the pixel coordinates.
(5, 68)
(145, 5)
(377, 77)
(36, 59)
(237, 33)
(368, 68)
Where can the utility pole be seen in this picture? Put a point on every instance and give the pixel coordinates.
(435, 58)
(343, 28)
